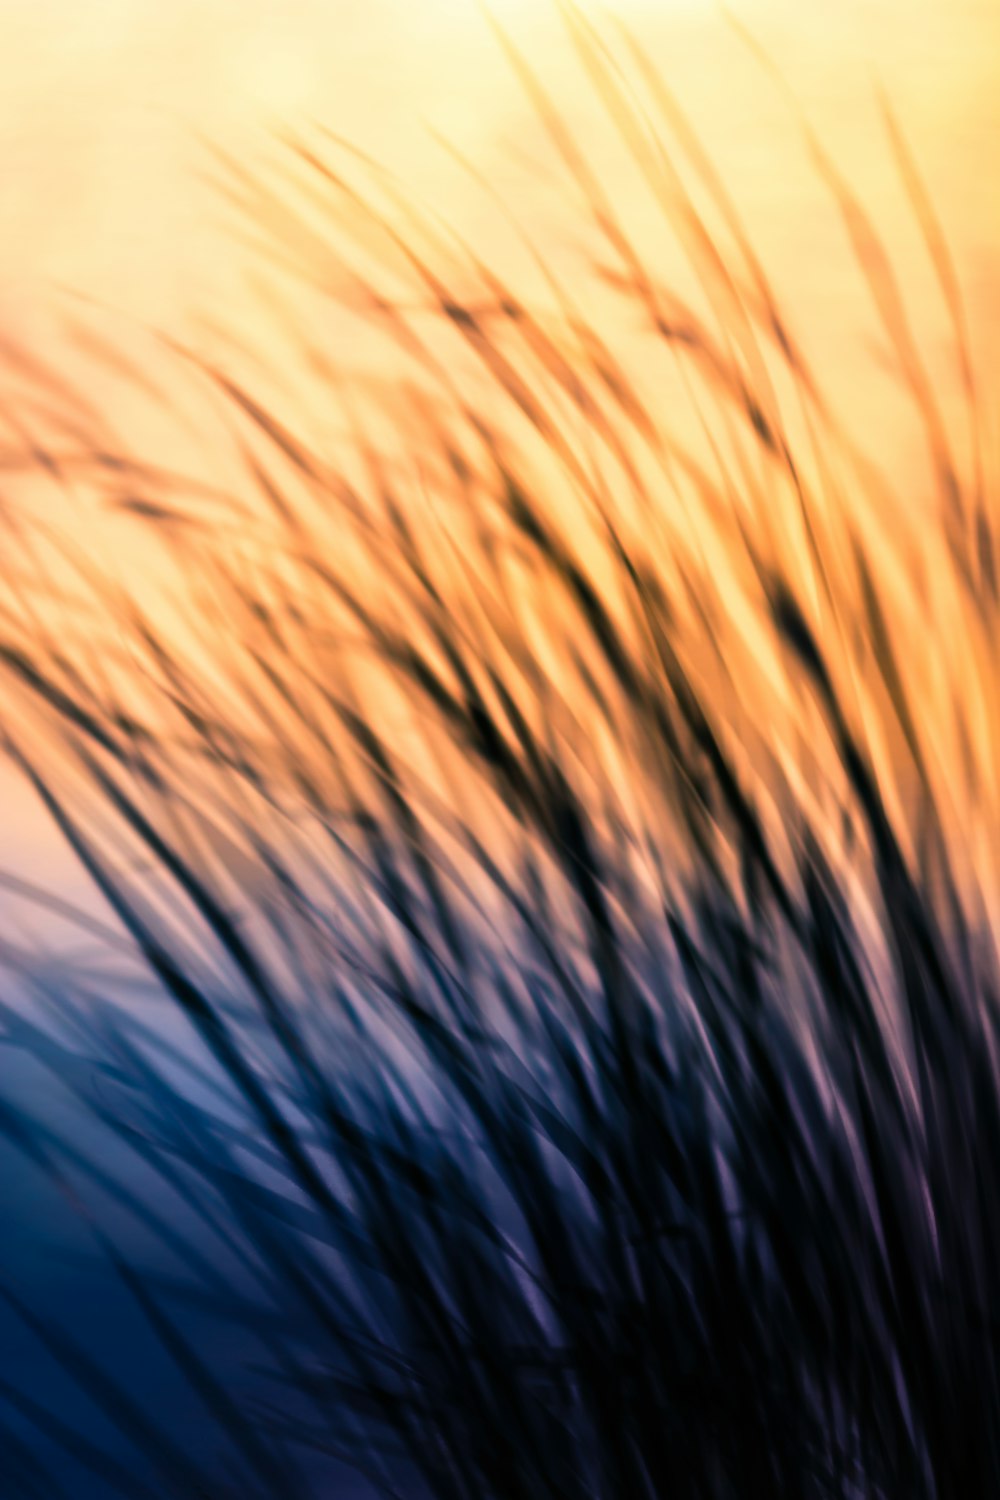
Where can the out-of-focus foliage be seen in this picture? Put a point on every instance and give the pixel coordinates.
(568, 849)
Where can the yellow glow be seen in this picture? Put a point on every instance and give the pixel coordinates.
(101, 117)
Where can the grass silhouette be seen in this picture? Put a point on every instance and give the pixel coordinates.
(587, 1083)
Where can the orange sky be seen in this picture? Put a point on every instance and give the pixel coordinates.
(105, 101)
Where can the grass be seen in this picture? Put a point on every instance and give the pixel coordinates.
(587, 1083)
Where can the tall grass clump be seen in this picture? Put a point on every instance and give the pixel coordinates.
(549, 873)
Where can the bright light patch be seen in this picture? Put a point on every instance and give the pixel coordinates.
(276, 71)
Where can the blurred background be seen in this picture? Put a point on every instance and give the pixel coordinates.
(107, 106)
(113, 228)
(111, 219)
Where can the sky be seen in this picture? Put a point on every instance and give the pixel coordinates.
(101, 118)
(110, 106)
